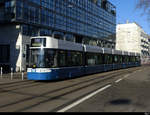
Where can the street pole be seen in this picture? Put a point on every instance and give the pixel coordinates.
(22, 73)
(11, 73)
(1, 72)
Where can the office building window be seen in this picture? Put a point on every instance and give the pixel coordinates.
(4, 53)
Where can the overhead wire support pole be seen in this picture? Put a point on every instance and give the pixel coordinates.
(1, 72)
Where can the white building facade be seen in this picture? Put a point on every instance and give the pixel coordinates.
(132, 38)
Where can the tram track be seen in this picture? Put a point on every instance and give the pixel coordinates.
(9, 83)
(20, 86)
(70, 92)
(33, 83)
(88, 84)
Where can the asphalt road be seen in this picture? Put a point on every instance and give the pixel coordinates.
(124, 90)
(131, 94)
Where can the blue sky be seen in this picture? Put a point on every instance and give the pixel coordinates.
(126, 10)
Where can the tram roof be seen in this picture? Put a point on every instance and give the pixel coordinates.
(94, 49)
(67, 45)
(64, 45)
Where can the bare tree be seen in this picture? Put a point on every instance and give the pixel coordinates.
(144, 5)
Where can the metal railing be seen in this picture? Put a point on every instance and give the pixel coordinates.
(13, 75)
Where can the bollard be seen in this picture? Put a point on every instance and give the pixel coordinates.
(22, 73)
(1, 72)
(11, 73)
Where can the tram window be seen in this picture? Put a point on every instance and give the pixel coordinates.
(74, 58)
(62, 58)
(51, 58)
(94, 59)
(137, 59)
(108, 59)
(133, 59)
(130, 59)
(37, 57)
(90, 60)
(127, 59)
(123, 59)
(79, 58)
(120, 59)
(69, 60)
(105, 59)
(115, 59)
(100, 59)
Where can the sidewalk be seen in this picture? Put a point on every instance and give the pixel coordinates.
(14, 76)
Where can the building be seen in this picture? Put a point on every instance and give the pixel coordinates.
(83, 21)
(132, 38)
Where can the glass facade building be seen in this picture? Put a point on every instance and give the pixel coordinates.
(83, 21)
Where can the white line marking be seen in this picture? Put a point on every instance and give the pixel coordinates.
(134, 71)
(83, 99)
(118, 80)
(126, 76)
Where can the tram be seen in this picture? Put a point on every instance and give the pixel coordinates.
(53, 59)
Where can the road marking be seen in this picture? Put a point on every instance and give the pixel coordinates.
(134, 71)
(126, 76)
(83, 99)
(118, 80)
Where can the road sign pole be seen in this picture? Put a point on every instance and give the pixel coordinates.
(22, 73)
(1, 72)
(11, 73)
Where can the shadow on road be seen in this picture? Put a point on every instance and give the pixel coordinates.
(120, 102)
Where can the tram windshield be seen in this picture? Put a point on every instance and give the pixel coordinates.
(43, 58)
(37, 58)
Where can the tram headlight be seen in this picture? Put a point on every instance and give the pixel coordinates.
(34, 66)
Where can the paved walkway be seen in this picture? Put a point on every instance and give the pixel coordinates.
(15, 77)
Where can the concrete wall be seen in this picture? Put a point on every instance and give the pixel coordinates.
(11, 35)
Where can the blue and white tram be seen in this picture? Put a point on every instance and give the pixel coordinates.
(52, 59)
